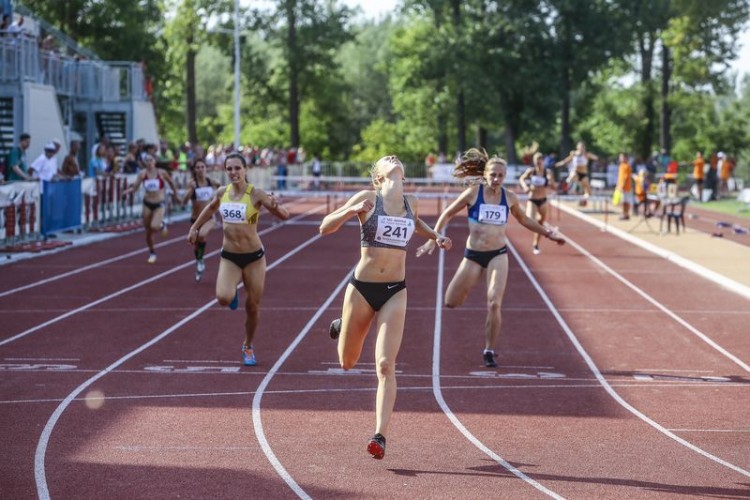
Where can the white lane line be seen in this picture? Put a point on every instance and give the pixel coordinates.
(41, 449)
(658, 305)
(603, 381)
(711, 430)
(257, 421)
(107, 261)
(437, 391)
(332, 390)
(86, 268)
(691, 266)
(126, 290)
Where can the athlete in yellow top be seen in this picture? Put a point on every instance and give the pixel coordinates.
(242, 253)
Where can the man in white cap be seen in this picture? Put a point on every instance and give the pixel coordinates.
(44, 167)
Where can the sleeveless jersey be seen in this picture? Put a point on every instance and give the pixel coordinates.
(489, 213)
(386, 231)
(538, 180)
(203, 193)
(153, 185)
(241, 211)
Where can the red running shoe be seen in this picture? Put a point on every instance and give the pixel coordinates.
(376, 446)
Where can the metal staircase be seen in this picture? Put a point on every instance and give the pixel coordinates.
(114, 126)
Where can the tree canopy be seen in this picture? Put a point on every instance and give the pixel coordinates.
(436, 75)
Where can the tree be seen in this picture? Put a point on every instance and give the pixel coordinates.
(586, 34)
(309, 36)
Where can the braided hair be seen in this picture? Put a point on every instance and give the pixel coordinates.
(473, 164)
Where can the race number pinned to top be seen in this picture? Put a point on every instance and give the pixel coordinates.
(233, 213)
(396, 231)
(151, 185)
(493, 214)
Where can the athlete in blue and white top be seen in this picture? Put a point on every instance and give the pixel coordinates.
(489, 205)
(201, 191)
(388, 220)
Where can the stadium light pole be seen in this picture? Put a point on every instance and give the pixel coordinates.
(236, 34)
(236, 75)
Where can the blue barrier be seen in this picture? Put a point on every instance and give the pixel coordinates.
(61, 206)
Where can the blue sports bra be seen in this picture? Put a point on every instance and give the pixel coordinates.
(485, 213)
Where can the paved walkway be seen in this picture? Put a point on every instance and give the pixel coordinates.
(722, 260)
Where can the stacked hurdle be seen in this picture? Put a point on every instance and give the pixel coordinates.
(19, 214)
(104, 204)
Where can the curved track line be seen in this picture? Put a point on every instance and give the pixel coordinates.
(118, 258)
(603, 381)
(704, 272)
(659, 306)
(257, 422)
(133, 287)
(437, 391)
(41, 449)
(86, 268)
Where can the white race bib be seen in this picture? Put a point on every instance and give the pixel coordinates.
(203, 193)
(233, 213)
(151, 185)
(493, 214)
(538, 180)
(396, 231)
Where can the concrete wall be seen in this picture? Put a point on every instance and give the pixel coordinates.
(144, 122)
(42, 119)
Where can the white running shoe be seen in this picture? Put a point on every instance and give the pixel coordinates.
(152, 258)
(200, 266)
(536, 250)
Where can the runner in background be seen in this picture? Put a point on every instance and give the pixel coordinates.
(578, 164)
(200, 191)
(154, 181)
(536, 181)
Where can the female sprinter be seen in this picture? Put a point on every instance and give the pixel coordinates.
(377, 290)
(201, 189)
(153, 180)
(579, 169)
(242, 254)
(536, 181)
(486, 253)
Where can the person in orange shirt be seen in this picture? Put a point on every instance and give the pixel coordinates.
(699, 165)
(625, 185)
(727, 167)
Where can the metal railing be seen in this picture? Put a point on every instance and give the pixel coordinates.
(21, 60)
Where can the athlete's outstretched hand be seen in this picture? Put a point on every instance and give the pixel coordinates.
(554, 234)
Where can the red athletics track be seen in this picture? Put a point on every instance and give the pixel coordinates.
(627, 378)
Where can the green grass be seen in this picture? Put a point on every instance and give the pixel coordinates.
(728, 206)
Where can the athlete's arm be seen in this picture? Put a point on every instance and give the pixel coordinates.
(464, 199)
(361, 202)
(271, 203)
(530, 223)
